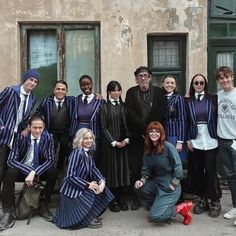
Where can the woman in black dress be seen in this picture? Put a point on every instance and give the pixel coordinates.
(114, 158)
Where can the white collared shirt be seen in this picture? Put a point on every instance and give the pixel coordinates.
(28, 160)
(57, 101)
(201, 97)
(89, 97)
(20, 111)
(203, 140)
(113, 101)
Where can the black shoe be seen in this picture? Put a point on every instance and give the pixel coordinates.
(201, 206)
(95, 224)
(123, 206)
(114, 206)
(215, 209)
(7, 221)
(45, 213)
(135, 205)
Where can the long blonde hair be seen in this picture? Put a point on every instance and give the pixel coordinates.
(79, 136)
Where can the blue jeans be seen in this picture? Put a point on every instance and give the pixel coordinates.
(227, 157)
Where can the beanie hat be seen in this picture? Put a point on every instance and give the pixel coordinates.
(31, 73)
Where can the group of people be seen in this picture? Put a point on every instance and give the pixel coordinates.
(107, 146)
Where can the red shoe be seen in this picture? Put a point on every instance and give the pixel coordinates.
(184, 209)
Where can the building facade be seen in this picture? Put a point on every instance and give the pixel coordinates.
(106, 39)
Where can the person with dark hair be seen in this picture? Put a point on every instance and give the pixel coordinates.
(16, 104)
(201, 110)
(175, 123)
(226, 131)
(58, 111)
(84, 195)
(114, 150)
(144, 103)
(87, 108)
(31, 159)
(159, 188)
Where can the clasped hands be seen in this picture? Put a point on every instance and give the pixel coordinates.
(97, 188)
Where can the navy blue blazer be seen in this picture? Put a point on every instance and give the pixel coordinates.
(20, 148)
(175, 117)
(192, 130)
(81, 170)
(9, 105)
(45, 109)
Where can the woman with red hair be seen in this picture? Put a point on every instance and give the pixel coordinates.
(159, 188)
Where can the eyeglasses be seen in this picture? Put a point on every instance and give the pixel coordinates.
(199, 82)
(154, 131)
(143, 75)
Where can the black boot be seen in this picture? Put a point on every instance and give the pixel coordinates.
(44, 211)
(7, 221)
(215, 209)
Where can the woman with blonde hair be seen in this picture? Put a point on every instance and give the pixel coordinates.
(159, 188)
(83, 193)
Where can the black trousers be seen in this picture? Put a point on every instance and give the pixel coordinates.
(14, 175)
(202, 175)
(64, 140)
(4, 153)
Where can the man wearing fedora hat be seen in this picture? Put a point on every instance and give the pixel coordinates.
(16, 104)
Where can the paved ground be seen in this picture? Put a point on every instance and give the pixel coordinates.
(133, 223)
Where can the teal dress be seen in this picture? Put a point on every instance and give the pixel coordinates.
(156, 194)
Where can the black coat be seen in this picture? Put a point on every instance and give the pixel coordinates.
(136, 124)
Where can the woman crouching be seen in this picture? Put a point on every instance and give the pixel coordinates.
(159, 188)
(83, 193)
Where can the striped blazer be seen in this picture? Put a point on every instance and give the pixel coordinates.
(94, 121)
(9, 105)
(192, 130)
(81, 170)
(45, 109)
(20, 148)
(175, 117)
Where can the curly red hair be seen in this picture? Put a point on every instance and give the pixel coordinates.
(149, 148)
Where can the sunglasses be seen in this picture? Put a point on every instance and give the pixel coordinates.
(199, 82)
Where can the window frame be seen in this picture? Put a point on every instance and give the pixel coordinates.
(60, 29)
(179, 71)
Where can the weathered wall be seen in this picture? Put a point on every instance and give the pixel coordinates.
(124, 28)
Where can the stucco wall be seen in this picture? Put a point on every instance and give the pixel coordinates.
(124, 28)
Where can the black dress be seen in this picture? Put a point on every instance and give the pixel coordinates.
(114, 161)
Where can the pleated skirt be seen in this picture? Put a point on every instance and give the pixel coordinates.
(183, 153)
(81, 211)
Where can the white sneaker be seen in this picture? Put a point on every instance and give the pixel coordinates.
(230, 214)
(235, 223)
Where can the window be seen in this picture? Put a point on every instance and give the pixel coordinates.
(223, 8)
(166, 56)
(61, 51)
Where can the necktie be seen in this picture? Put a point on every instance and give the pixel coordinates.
(199, 96)
(116, 103)
(86, 100)
(59, 106)
(24, 105)
(36, 154)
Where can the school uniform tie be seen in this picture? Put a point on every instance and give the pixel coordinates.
(59, 106)
(116, 103)
(86, 100)
(199, 97)
(36, 154)
(24, 105)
